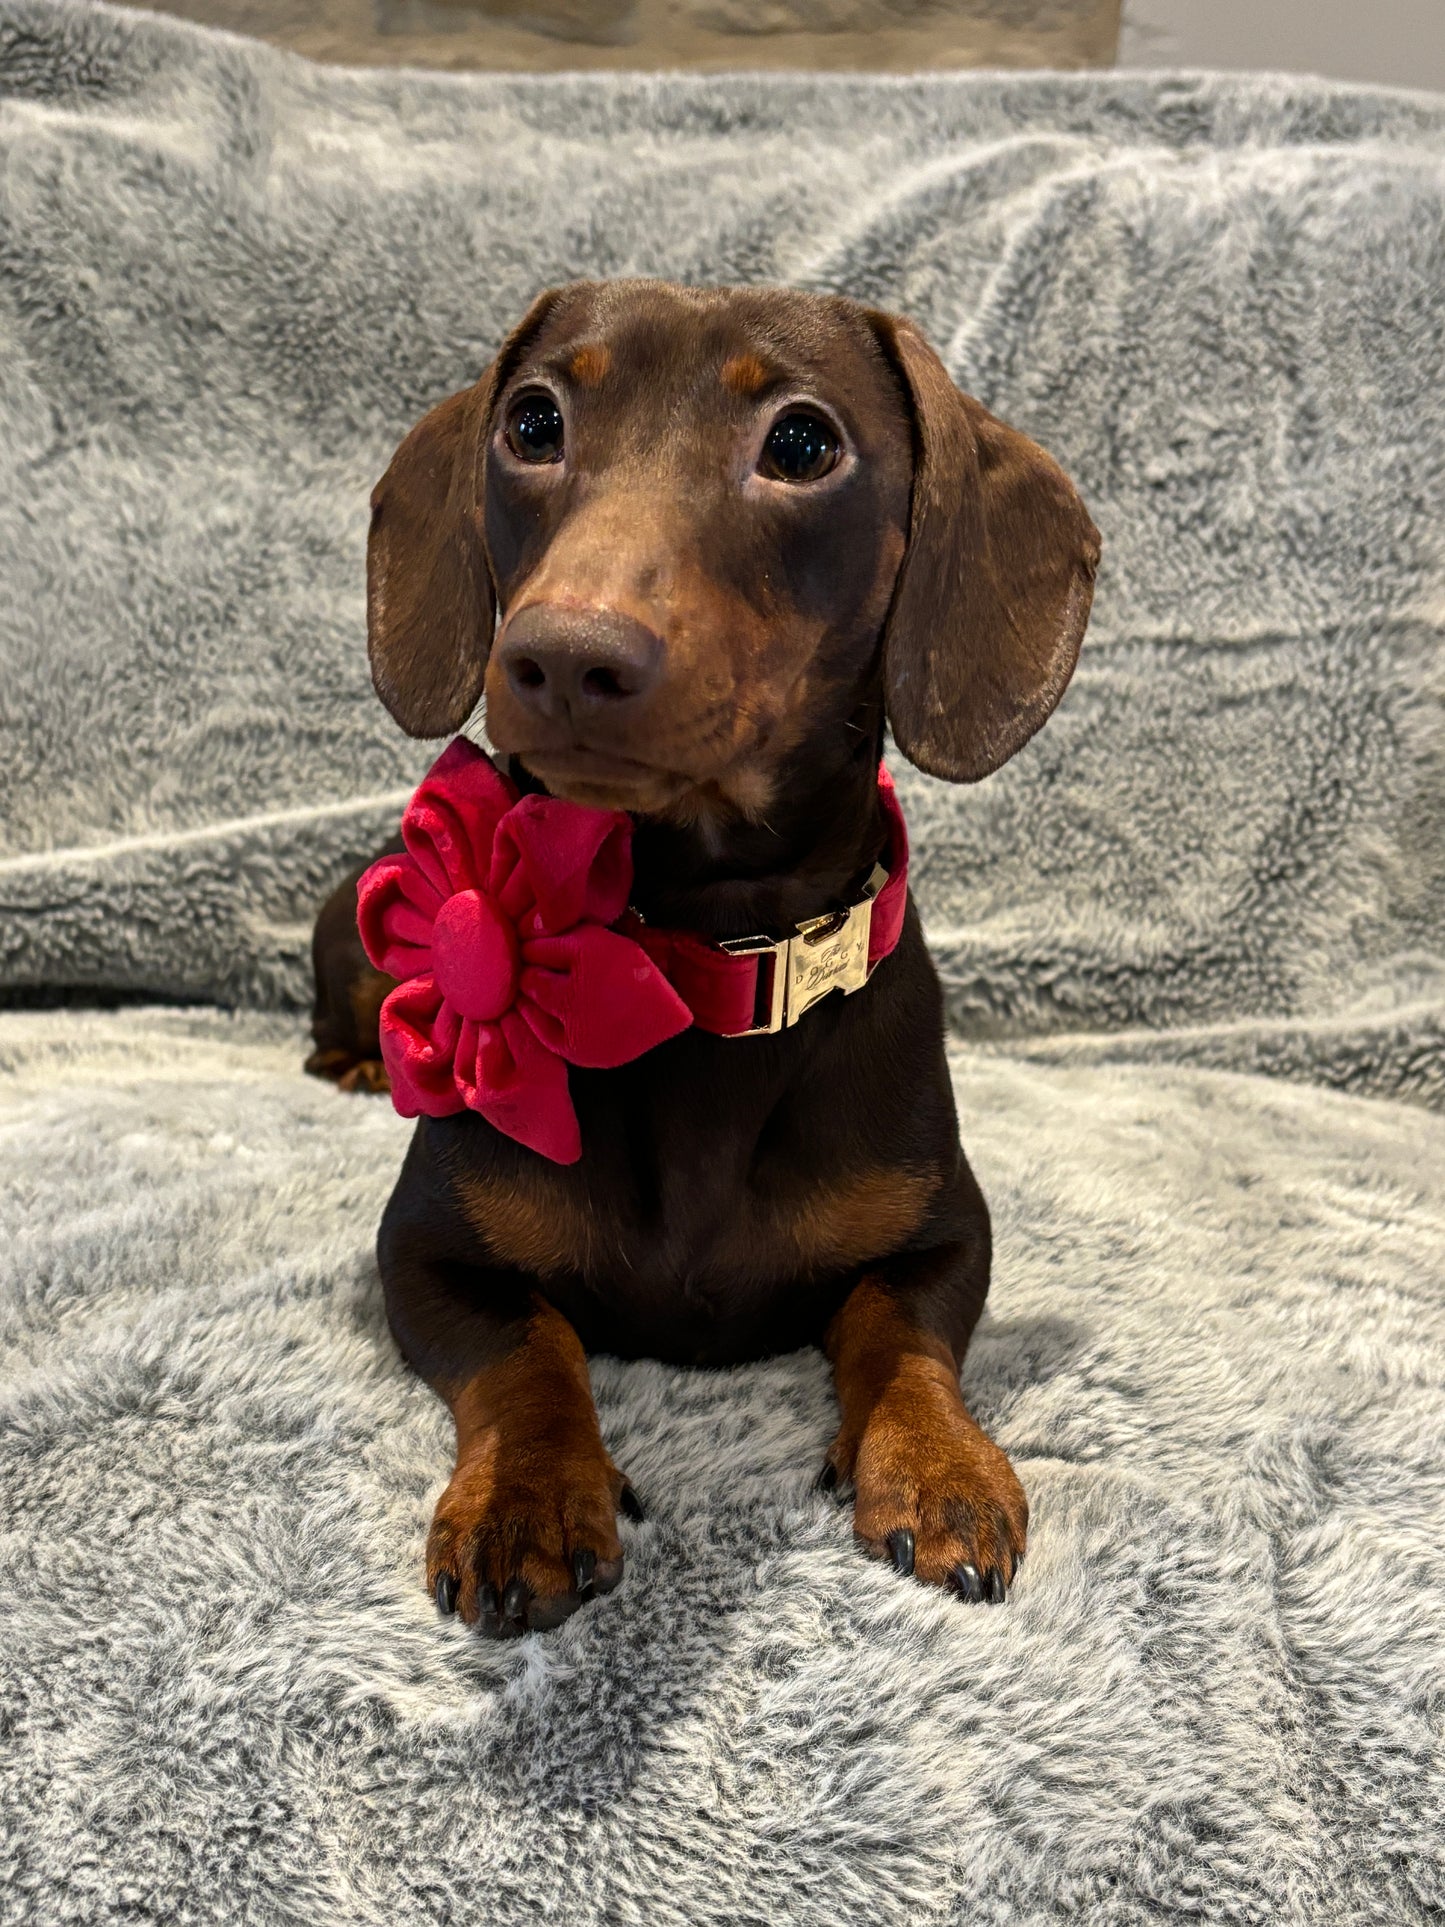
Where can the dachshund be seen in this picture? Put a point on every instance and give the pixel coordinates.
(696, 548)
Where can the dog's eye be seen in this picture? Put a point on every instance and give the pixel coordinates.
(800, 447)
(534, 429)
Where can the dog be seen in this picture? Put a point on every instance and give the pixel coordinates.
(694, 546)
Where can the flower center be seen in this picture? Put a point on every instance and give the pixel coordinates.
(475, 957)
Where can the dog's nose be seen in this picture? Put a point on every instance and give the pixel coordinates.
(577, 663)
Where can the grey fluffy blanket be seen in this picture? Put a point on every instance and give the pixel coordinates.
(1194, 940)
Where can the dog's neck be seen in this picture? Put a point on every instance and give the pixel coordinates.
(729, 876)
(821, 835)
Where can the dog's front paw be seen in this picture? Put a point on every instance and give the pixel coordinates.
(934, 1494)
(518, 1542)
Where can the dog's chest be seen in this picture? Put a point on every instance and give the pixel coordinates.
(709, 1274)
(700, 1187)
(699, 1233)
(724, 1185)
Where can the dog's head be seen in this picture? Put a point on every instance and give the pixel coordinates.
(715, 523)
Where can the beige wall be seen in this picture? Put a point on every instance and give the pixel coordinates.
(1400, 43)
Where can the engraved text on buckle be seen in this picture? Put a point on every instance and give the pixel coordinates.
(826, 953)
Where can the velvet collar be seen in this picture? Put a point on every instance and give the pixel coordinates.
(506, 922)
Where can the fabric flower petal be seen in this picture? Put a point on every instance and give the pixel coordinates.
(555, 863)
(451, 820)
(597, 998)
(494, 918)
(419, 1035)
(506, 1073)
(395, 909)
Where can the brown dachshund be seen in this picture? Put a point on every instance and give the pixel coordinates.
(721, 535)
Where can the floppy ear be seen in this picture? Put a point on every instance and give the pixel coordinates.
(994, 589)
(430, 606)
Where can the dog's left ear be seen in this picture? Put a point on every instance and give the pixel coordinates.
(994, 589)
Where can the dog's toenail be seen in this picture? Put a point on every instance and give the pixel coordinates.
(631, 1504)
(997, 1590)
(515, 1601)
(446, 1594)
(900, 1546)
(827, 1478)
(966, 1582)
(584, 1566)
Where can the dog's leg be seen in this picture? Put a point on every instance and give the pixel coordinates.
(935, 1495)
(345, 1018)
(526, 1530)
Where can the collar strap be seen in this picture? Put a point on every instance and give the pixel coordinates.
(752, 986)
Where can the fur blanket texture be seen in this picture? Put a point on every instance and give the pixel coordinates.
(1193, 940)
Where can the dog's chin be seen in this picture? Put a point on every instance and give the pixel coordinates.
(607, 782)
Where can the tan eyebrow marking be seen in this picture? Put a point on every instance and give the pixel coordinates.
(590, 363)
(744, 374)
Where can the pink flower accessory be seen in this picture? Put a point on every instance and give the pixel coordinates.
(495, 920)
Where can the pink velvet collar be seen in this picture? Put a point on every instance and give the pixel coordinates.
(505, 920)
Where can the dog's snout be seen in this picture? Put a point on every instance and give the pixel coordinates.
(565, 662)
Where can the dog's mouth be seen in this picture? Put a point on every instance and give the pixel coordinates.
(606, 782)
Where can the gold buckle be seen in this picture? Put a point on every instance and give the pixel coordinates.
(825, 953)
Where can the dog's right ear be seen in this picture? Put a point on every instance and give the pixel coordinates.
(430, 605)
